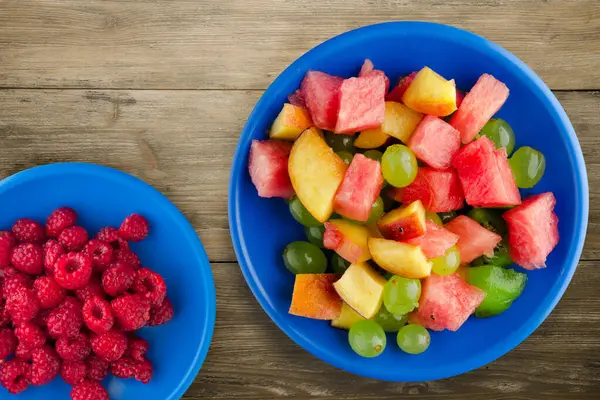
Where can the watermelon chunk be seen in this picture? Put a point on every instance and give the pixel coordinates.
(369, 69)
(268, 168)
(359, 189)
(532, 230)
(438, 190)
(479, 105)
(297, 99)
(446, 302)
(485, 175)
(335, 240)
(435, 142)
(474, 240)
(362, 103)
(403, 84)
(460, 96)
(436, 240)
(321, 93)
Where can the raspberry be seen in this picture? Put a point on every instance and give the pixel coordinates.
(14, 282)
(76, 348)
(134, 228)
(73, 372)
(45, 365)
(30, 335)
(9, 271)
(100, 252)
(108, 234)
(73, 238)
(66, 319)
(73, 270)
(59, 220)
(49, 293)
(97, 315)
(4, 315)
(13, 375)
(93, 288)
(42, 318)
(52, 252)
(23, 352)
(22, 305)
(7, 242)
(8, 343)
(132, 312)
(109, 346)
(28, 257)
(27, 230)
(161, 314)
(128, 257)
(137, 348)
(151, 285)
(127, 367)
(89, 390)
(117, 279)
(97, 369)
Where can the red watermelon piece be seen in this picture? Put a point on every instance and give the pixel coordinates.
(438, 190)
(485, 175)
(321, 93)
(532, 230)
(446, 302)
(297, 99)
(435, 142)
(398, 91)
(334, 239)
(359, 189)
(473, 239)
(436, 240)
(369, 69)
(460, 96)
(479, 105)
(268, 168)
(362, 103)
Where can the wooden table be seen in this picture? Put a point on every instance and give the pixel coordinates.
(161, 89)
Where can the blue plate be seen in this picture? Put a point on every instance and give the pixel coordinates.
(261, 228)
(104, 196)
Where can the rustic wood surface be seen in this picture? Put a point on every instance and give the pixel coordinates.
(161, 89)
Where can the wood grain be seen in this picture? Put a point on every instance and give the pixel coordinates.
(251, 358)
(182, 142)
(241, 44)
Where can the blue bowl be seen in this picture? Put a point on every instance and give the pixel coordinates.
(261, 228)
(104, 196)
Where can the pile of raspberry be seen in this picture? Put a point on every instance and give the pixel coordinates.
(70, 305)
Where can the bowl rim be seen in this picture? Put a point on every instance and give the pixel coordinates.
(175, 215)
(581, 208)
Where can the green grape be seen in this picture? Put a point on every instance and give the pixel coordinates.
(433, 217)
(304, 258)
(399, 165)
(448, 263)
(314, 234)
(528, 166)
(340, 142)
(373, 155)
(401, 295)
(346, 156)
(499, 132)
(413, 339)
(367, 338)
(301, 214)
(338, 264)
(490, 219)
(447, 216)
(376, 211)
(388, 321)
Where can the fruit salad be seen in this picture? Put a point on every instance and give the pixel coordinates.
(410, 204)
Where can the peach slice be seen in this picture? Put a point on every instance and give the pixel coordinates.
(347, 318)
(430, 93)
(361, 287)
(290, 123)
(347, 239)
(404, 223)
(399, 258)
(315, 297)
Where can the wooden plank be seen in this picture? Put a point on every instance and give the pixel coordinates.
(559, 361)
(182, 142)
(208, 44)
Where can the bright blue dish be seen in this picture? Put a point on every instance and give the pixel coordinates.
(262, 227)
(104, 196)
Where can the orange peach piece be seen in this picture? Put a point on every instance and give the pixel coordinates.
(348, 239)
(400, 258)
(290, 123)
(399, 122)
(315, 297)
(404, 223)
(430, 93)
(371, 139)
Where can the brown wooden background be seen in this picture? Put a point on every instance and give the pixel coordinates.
(161, 89)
